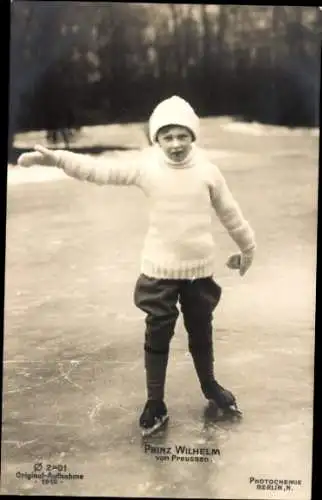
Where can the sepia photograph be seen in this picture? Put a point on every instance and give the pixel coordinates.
(161, 250)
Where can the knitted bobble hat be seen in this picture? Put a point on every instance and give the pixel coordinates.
(173, 111)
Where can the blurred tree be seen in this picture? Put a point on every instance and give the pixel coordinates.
(42, 73)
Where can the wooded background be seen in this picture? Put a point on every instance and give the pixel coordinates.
(77, 63)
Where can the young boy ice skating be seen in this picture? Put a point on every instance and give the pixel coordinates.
(177, 264)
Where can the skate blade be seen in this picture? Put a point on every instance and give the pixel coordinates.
(233, 411)
(217, 413)
(155, 428)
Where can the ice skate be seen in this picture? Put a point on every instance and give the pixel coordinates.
(154, 416)
(224, 401)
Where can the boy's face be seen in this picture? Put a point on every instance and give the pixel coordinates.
(175, 142)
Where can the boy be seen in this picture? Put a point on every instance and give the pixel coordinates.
(177, 261)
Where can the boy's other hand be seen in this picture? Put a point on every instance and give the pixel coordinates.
(41, 156)
(241, 261)
(234, 261)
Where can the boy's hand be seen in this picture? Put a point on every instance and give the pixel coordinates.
(241, 261)
(41, 156)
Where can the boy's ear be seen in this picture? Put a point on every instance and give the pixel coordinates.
(193, 137)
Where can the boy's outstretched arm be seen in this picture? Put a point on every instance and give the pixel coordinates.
(84, 167)
(231, 216)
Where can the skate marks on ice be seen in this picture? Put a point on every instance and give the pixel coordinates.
(95, 432)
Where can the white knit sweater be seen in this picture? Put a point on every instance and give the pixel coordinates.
(179, 242)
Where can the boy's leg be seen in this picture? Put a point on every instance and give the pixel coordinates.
(158, 299)
(198, 299)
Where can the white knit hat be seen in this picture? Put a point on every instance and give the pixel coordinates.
(173, 111)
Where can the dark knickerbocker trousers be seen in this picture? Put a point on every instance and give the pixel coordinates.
(158, 298)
